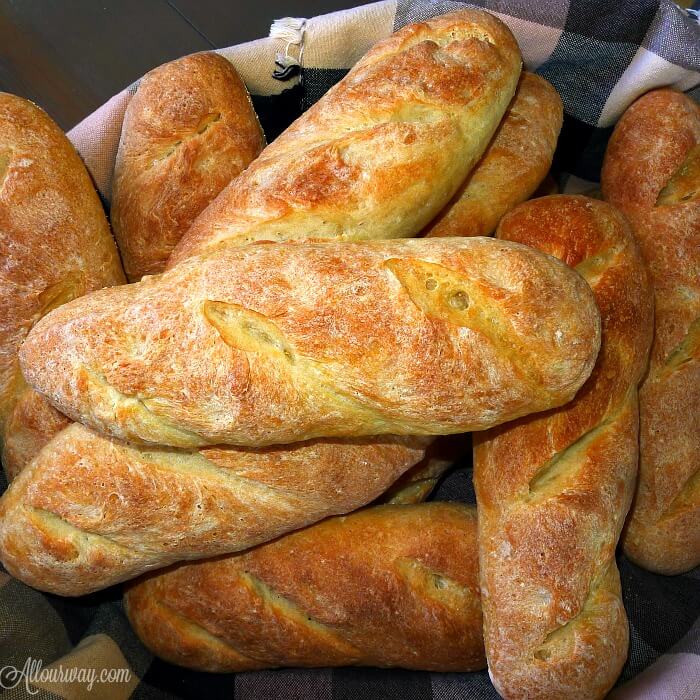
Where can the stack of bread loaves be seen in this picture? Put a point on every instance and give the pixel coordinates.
(284, 362)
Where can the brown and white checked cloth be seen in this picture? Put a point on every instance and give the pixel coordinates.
(600, 56)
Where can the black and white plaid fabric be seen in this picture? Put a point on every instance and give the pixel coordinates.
(600, 56)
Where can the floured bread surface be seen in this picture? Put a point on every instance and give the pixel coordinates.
(275, 343)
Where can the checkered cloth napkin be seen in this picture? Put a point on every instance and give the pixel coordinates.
(600, 55)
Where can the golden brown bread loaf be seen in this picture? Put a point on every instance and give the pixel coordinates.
(188, 131)
(553, 490)
(652, 173)
(89, 512)
(384, 150)
(55, 245)
(388, 586)
(512, 167)
(280, 342)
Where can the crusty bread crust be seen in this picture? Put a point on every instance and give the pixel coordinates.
(55, 245)
(512, 167)
(280, 342)
(387, 586)
(147, 508)
(187, 132)
(553, 490)
(384, 150)
(652, 173)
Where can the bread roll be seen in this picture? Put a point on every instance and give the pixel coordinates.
(553, 490)
(512, 167)
(188, 131)
(276, 343)
(652, 173)
(384, 150)
(388, 586)
(89, 512)
(55, 245)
